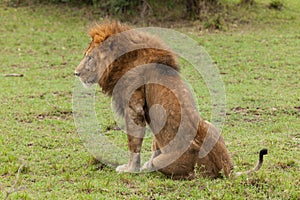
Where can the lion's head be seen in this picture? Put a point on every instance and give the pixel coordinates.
(88, 70)
(95, 59)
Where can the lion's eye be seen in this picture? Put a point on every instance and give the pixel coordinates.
(89, 63)
(89, 58)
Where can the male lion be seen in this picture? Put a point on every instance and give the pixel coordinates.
(142, 75)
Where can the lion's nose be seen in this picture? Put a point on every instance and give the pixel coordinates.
(76, 73)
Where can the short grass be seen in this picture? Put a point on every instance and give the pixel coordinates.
(260, 67)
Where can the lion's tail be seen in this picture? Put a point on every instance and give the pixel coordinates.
(258, 165)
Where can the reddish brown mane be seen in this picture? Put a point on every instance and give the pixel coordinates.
(101, 32)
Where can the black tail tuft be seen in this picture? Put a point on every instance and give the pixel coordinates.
(262, 153)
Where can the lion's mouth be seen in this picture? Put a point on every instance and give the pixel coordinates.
(87, 84)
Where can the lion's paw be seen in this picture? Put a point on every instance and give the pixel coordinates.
(125, 168)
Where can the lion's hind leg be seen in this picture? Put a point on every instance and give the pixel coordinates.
(175, 164)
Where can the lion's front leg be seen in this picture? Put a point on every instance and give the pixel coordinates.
(135, 129)
(133, 164)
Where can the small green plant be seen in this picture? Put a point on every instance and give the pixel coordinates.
(215, 23)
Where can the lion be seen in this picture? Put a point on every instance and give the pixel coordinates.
(142, 75)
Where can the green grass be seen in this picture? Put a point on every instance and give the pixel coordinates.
(260, 67)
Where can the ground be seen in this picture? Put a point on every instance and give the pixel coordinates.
(259, 64)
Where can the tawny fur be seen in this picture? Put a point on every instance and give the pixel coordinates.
(107, 71)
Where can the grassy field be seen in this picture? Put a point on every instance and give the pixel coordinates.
(42, 156)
